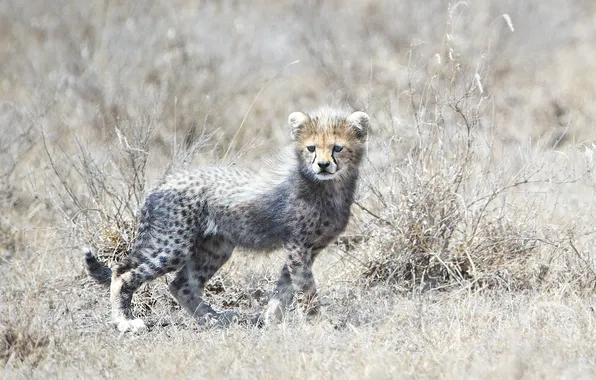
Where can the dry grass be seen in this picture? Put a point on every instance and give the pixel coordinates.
(470, 252)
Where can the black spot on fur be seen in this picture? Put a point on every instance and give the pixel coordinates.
(154, 268)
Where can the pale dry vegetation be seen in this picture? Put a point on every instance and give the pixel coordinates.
(470, 252)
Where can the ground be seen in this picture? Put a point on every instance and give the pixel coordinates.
(470, 253)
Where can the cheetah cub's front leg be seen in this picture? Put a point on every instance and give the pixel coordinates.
(296, 279)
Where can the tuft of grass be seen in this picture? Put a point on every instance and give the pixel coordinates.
(8, 242)
(230, 293)
(19, 343)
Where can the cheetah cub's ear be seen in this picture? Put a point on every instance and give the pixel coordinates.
(297, 120)
(360, 122)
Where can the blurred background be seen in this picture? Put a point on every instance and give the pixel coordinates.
(82, 81)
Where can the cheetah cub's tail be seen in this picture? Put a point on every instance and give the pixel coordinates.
(96, 270)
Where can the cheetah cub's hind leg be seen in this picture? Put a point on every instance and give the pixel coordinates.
(122, 288)
(146, 262)
(141, 266)
(187, 287)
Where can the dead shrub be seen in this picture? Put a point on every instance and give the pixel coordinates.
(446, 212)
(436, 227)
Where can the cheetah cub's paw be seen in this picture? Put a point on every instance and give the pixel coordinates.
(132, 325)
(253, 320)
(221, 319)
(274, 313)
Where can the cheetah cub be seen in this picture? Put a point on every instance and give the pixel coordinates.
(192, 221)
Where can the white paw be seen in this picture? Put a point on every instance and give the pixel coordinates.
(273, 313)
(132, 325)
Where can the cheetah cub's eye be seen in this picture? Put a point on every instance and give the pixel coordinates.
(338, 148)
(311, 148)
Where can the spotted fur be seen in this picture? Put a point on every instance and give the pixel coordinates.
(192, 221)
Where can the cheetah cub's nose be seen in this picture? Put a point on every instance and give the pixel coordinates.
(324, 164)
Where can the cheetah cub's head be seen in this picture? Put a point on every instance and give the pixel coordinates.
(329, 142)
